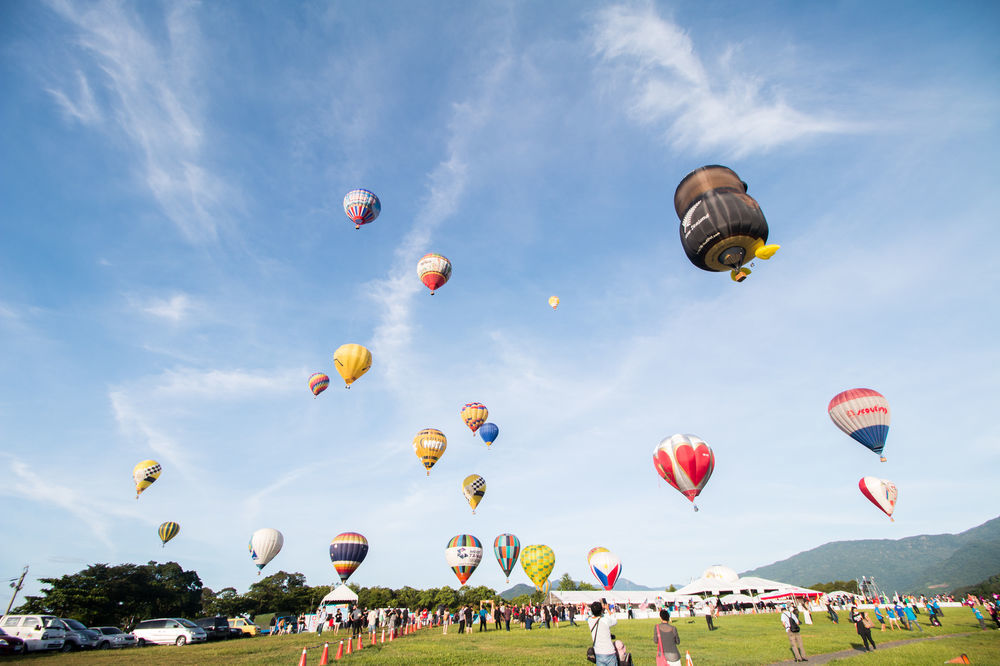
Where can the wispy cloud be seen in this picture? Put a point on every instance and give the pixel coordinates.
(136, 425)
(22, 481)
(83, 108)
(700, 107)
(174, 309)
(153, 95)
(447, 184)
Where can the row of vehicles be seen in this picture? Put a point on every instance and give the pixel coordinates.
(30, 633)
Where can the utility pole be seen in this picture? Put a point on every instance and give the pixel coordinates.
(17, 588)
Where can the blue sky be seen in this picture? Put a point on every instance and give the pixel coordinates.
(176, 263)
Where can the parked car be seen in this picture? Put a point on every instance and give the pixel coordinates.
(11, 645)
(37, 631)
(236, 633)
(216, 628)
(78, 636)
(167, 630)
(113, 637)
(244, 625)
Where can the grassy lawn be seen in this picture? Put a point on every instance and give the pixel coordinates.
(746, 639)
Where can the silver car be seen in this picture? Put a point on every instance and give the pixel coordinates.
(78, 636)
(113, 637)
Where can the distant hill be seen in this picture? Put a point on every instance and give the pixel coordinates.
(517, 591)
(925, 563)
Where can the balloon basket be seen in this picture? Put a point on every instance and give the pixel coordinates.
(881, 459)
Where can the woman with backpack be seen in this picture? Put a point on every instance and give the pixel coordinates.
(667, 640)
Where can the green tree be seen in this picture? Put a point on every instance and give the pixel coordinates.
(566, 583)
(282, 592)
(671, 588)
(836, 586)
(227, 602)
(120, 595)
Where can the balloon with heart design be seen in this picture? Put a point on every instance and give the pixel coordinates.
(881, 493)
(685, 462)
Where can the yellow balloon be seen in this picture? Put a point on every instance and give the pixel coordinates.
(474, 487)
(168, 531)
(352, 361)
(144, 473)
(429, 445)
(553, 302)
(538, 562)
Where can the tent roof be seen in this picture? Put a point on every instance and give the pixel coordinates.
(613, 596)
(715, 586)
(791, 591)
(342, 594)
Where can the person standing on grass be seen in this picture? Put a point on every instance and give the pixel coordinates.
(879, 616)
(667, 640)
(482, 618)
(890, 615)
(600, 624)
(979, 616)
(911, 617)
(572, 615)
(791, 624)
(864, 627)
(506, 615)
(901, 616)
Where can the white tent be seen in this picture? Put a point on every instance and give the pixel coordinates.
(613, 596)
(717, 586)
(791, 591)
(340, 596)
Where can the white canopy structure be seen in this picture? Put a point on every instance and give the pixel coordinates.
(718, 580)
(577, 597)
(790, 592)
(340, 596)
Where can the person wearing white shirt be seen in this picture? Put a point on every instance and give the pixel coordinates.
(600, 624)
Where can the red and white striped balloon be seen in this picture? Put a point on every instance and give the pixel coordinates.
(881, 493)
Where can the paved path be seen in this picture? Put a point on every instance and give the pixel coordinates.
(830, 656)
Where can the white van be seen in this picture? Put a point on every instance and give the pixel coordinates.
(168, 630)
(39, 632)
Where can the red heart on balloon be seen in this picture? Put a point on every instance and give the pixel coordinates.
(665, 466)
(695, 463)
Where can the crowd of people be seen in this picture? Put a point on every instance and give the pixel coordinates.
(903, 613)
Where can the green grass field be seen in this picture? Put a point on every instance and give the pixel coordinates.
(746, 639)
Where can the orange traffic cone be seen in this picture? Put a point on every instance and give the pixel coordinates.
(360, 645)
(325, 658)
(340, 652)
(391, 634)
(371, 639)
(687, 658)
(302, 659)
(350, 646)
(382, 640)
(962, 659)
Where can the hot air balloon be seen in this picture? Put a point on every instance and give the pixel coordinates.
(318, 383)
(864, 415)
(347, 552)
(488, 433)
(881, 493)
(474, 414)
(352, 361)
(362, 207)
(553, 302)
(685, 462)
(506, 547)
(168, 531)
(429, 445)
(606, 567)
(144, 473)
(264, 545)
(722, 227)
(594, 551)
(474, 487)
(463, 555)
(538, 562)
(434, 270)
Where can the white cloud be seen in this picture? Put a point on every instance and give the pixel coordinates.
(671, 87)
(22, 481)
(175, 308)
(448, 182)
(154, 100)
(83, 108)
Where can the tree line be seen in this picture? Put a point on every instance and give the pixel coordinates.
(124, 594)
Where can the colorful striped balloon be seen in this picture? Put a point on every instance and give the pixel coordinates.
(347, 552)
(864, 415)
(362, 207)
(429, 445)
(506, 547)
(318, 383)
(168, 531)
(463, 554)
(474, 414)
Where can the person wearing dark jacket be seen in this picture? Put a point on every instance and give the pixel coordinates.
(666, 639)
(864, 627)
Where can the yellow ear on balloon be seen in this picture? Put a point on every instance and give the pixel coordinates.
(766, 251)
